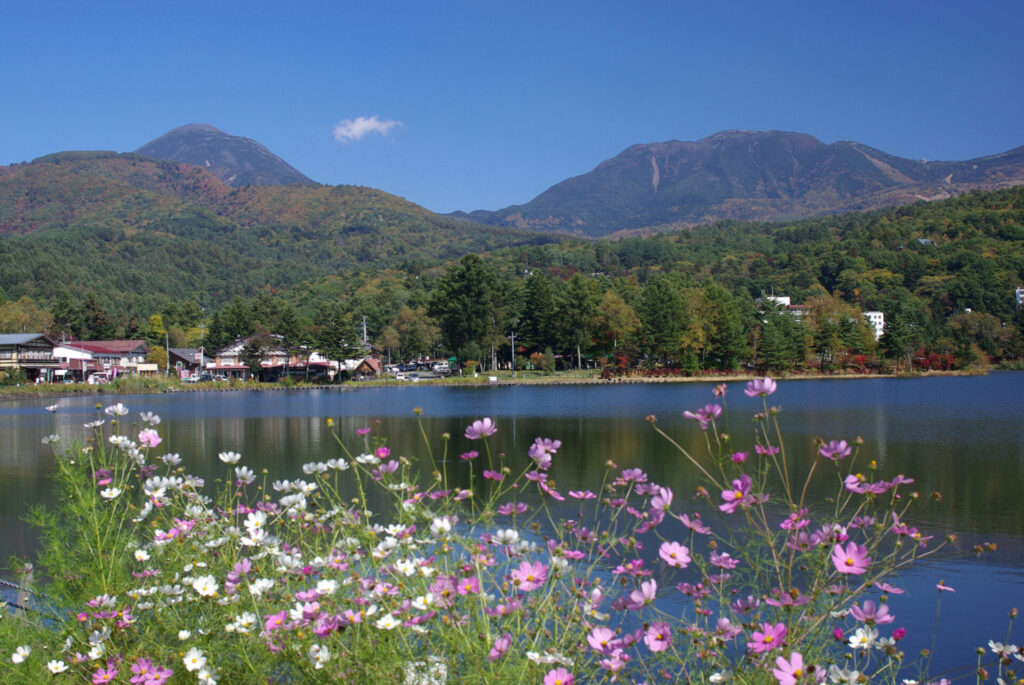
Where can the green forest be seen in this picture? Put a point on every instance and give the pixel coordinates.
(176, 255)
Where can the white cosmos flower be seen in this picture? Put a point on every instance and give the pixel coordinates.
(56, 666)
(337, 464)
(863, 638)
(258, 587)
(96, 651)
(509, 536)
(229, 457)
(21, 653)
(327, 587)
(184, 635)
(320, 655)
(367, 459)
(141, 555)
(245, 475)
(150, 418)
(116, 410)
(110, 493)
(205, 586)
(50, 439)
(387, 622)
(194, 659)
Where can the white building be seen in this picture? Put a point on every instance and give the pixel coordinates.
(877, 321)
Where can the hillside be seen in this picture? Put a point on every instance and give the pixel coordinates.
(745, 175)
(139, 232)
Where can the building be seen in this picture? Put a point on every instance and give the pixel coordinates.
(32, 353)
(877, 322)
(113, 358)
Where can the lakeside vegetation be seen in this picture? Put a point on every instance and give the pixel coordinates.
(431, 569)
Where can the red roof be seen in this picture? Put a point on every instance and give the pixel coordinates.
(111, 346)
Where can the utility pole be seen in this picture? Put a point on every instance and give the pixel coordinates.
(514, 354)
(202, 362)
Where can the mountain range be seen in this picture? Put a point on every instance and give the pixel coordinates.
(745, 175)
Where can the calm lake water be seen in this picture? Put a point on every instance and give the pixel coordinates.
(963, 437)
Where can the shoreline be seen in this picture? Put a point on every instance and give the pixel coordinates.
(481, 381)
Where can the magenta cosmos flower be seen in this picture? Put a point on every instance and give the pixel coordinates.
(737, 495)
(768, 638)
(760, 387)
(788, 672)
(481, 428)
(851, 559)
(836, 450)
(529, 576)
(558, 676)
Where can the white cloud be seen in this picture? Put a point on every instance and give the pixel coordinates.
(348, 130)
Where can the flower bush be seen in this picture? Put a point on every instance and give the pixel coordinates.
(147, 576)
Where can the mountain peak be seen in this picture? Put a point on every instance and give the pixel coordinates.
(748, 175)
(234, 160)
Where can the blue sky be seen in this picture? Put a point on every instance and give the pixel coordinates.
(483, 104)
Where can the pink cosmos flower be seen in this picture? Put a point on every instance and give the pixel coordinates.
(481, 428)
(362, 431)
(558, 676)
(529, 576)
(501, 646)
(740, 457)
(836, 450)
(582, 494)
(542, 449)
(658, 636)
(853, 559)
(104, 675)
(149, 437)
(768, 638)
(674, 554)
(942, 587)
(467, 456)
(737, 495)
(705, 415)
(638, 599)
(788, 672)
(871, 615)
(724, 560)
(760, 387)
(603, 640)
(662, 499)
(718, 390)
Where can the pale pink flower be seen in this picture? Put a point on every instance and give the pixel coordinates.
(481, 428)
(789, 672)
(836, 450)
(658, 636)
(674, 554)
(149, 437)
(558, 676)
(760, 387)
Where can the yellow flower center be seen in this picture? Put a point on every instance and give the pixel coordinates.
(738, 494)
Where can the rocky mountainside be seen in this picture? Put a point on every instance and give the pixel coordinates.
(748, 175)
(236, 161)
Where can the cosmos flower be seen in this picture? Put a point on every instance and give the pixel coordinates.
(852, 559)
(760, 387)
(481, 428)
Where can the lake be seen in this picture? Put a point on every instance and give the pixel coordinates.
(960, 436)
